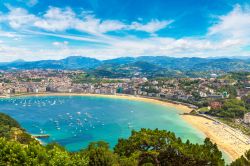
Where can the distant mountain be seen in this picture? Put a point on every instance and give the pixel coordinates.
(130, 66)
(120, 61)
(73, 62)
(186, 64)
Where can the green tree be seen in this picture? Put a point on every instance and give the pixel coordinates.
(100, 155)
(232, 108)
(143, 141)
(159, 147)
(243, 160)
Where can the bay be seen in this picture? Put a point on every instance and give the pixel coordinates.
(75, 121)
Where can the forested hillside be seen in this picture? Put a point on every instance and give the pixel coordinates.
(149, 66)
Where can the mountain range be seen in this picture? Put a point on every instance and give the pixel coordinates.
(149, 65)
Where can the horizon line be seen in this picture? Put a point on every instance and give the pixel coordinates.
(222, 57)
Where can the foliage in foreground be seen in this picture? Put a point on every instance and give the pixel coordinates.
(11, 130)
(144, 147)
(243, 160)
(159, 147)
(14, 153)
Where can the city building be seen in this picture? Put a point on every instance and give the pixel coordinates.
(247, 118)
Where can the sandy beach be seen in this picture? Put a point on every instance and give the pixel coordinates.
(230, 140)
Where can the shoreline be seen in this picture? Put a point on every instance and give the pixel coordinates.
(180, 107)
(200, 123)
(228, 139)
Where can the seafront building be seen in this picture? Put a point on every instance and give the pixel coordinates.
(62, 81)
(189, 91)
(247, 118)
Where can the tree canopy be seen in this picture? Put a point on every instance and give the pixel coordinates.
(243, 160)
(144, 147)
(232, 108)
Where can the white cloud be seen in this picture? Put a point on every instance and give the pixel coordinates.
(9, 34)
(8, 53)
(235, 24)
(60, 44)
(96, 26)
(225, 38)
(152, 26)
(18, 17)
(29, 3)
(32, 2)
(111, 25)
(129, 47)
(58, 19)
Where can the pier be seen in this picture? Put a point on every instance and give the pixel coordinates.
(40, 135)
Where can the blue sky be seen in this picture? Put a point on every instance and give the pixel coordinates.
(104, 29)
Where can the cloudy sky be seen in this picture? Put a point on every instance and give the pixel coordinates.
(104, 29)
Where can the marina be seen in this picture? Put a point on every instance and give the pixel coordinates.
(75, 121)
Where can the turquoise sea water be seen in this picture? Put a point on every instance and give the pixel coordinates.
(76, 121)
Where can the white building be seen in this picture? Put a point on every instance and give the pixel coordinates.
(203, 94)
(247, 118)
